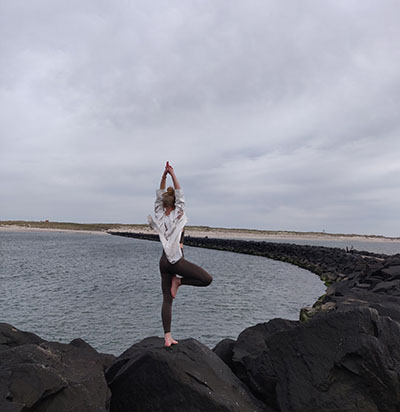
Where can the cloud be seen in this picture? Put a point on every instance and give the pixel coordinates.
(276, 115)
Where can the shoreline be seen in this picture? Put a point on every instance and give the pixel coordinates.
(215, 233)
(16, 228)
(243, 234)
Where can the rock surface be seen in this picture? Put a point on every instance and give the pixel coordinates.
(185, 377)
(41, 376)
(224, 350)
(377, 287)
(11, 337)
(250, 360)
(337, 361)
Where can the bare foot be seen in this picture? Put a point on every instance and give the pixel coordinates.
(175, 283)
(169, 340)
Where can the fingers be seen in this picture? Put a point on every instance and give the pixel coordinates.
(168, 168)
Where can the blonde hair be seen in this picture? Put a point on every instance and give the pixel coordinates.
(168, 198)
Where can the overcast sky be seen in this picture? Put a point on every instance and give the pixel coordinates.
(280, 115)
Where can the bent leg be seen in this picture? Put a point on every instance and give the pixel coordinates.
(192, 274)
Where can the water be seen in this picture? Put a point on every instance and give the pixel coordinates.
(106, 290)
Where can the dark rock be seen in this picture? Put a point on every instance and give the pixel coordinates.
(105, 358)
(40, 376)
(388, 288)
(337, 361)
(81, 344)
(385, 304)
(185, 377)
(250, 363)
(224, 350)
(392, 271)
(11, 337)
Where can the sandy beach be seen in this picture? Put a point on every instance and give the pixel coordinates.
(217, 233)
(16, 228)
(220, 233)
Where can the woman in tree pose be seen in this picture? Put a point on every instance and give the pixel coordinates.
(170, 220)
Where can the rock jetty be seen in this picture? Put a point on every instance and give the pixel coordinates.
(342, 355)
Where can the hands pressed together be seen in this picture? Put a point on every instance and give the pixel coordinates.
(168, 170)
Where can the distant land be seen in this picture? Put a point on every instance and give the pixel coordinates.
(200, 231)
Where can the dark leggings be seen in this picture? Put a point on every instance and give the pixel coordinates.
(191, 275)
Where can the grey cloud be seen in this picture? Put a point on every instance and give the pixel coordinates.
(281, 115)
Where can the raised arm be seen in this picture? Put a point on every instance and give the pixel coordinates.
(158, 204)
(179, 199)
(163, 179)
(170, 170)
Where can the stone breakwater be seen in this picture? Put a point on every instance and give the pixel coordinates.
(343, 356)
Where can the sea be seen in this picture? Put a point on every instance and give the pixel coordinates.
(106, 289)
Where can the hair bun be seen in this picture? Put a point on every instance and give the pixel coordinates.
(171, 191)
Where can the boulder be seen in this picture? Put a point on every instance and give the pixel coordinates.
(185, 377)
(336, 361)
(250, 362)
(224, 350)
(40, 376)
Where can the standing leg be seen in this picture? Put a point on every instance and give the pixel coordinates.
(166, 309)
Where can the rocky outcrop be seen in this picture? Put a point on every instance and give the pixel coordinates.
(224, 350)
(338, 361)
(378, 287)
(11, 337)
(184, 377)
(249, 360)
(41, 376)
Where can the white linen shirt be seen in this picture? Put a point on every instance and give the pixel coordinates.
(169, 228)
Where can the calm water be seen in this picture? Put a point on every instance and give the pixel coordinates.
(106, 290)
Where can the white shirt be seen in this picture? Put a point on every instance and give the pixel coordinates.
(169, 228)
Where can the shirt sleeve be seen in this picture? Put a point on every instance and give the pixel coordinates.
(179, 200)
(158, 204)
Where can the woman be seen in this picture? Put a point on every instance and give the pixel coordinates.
(170, 220)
